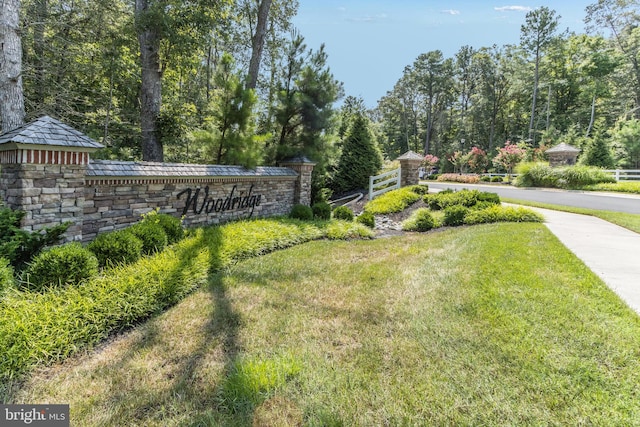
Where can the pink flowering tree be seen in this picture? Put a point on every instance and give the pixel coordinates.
(509, 156)
(478, 160)
(430, 161)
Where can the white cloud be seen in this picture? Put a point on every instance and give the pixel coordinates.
(369, 18)
(513, 8)
(451, 12)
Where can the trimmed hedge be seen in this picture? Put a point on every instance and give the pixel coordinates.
(63, 265)
(116, 247)
(498, 213)
(171, 225)
(321, 210)
(151, 234)
(454, 215)
(302, 212)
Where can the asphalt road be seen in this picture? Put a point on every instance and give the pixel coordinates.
(591, 200)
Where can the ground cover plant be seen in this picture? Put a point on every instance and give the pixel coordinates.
(395, 200)
(496, 324)
(621, 186)
(626, 220)
(40, 328)
(569, 177)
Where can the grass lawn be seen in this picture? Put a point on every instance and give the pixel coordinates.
(488, 325)
(626, 220)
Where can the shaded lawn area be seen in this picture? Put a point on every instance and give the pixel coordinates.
(487, 325)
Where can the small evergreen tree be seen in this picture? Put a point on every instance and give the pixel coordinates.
(598, 153)
(360, 157)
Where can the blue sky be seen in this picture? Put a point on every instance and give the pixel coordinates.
(369, 42)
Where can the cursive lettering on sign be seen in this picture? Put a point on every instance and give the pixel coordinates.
(234, 201)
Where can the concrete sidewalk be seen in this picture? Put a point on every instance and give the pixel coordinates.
(610, 251)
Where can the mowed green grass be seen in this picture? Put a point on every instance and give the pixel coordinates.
(488, 325)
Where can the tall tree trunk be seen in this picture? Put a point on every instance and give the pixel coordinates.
(39, 45)
(257, 43)
(11, 97)
(151, 87)
(535, 97)
(593, 115)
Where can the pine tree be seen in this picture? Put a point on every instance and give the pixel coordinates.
(360, 157)
(598, 153)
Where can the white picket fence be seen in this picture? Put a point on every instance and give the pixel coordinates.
(379, 185)
(625, 174)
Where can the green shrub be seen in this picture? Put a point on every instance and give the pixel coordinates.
(497, 213)
(420, 189)
(485, 178)
(116, 247)
(433, 177)
(302, 212)
(321, 210)
(492, 198)
(6, 275)
(64, 265)
(454, 215)
(171, 225)
(20, 246)
(343, 213)
(366, 218)
(497, 179)
(420, 220)
(570, 177)
(153, 237)
(392, 201)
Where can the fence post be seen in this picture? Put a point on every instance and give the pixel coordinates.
(371, 188)
(617, 175)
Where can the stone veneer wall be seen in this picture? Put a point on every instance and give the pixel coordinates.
(111, 204)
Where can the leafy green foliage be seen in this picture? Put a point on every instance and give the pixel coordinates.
(392, 201)
(116, 247)
(597, 153)
(171, 225)
(421, 189)
(6, 275)
(64, 265)
(152, 236)
(466, 198)
(420, 220)
(622, 187)
(454, 215)
(321, 210)
(502, 214)
(343, 213)
(20, 246)
(542, 175)
(360, 157)
(302, 212)
(366, 218)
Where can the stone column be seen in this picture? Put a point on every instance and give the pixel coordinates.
(410, 163)
(304, 168)
(42, 172)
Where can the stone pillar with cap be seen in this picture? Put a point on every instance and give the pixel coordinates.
(42, 172)
(410, 164)
(304, 167)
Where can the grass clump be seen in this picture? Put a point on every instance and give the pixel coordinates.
(64, 265)
(466, 198)
(420, 220)
(393, 201)
(502, 214)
